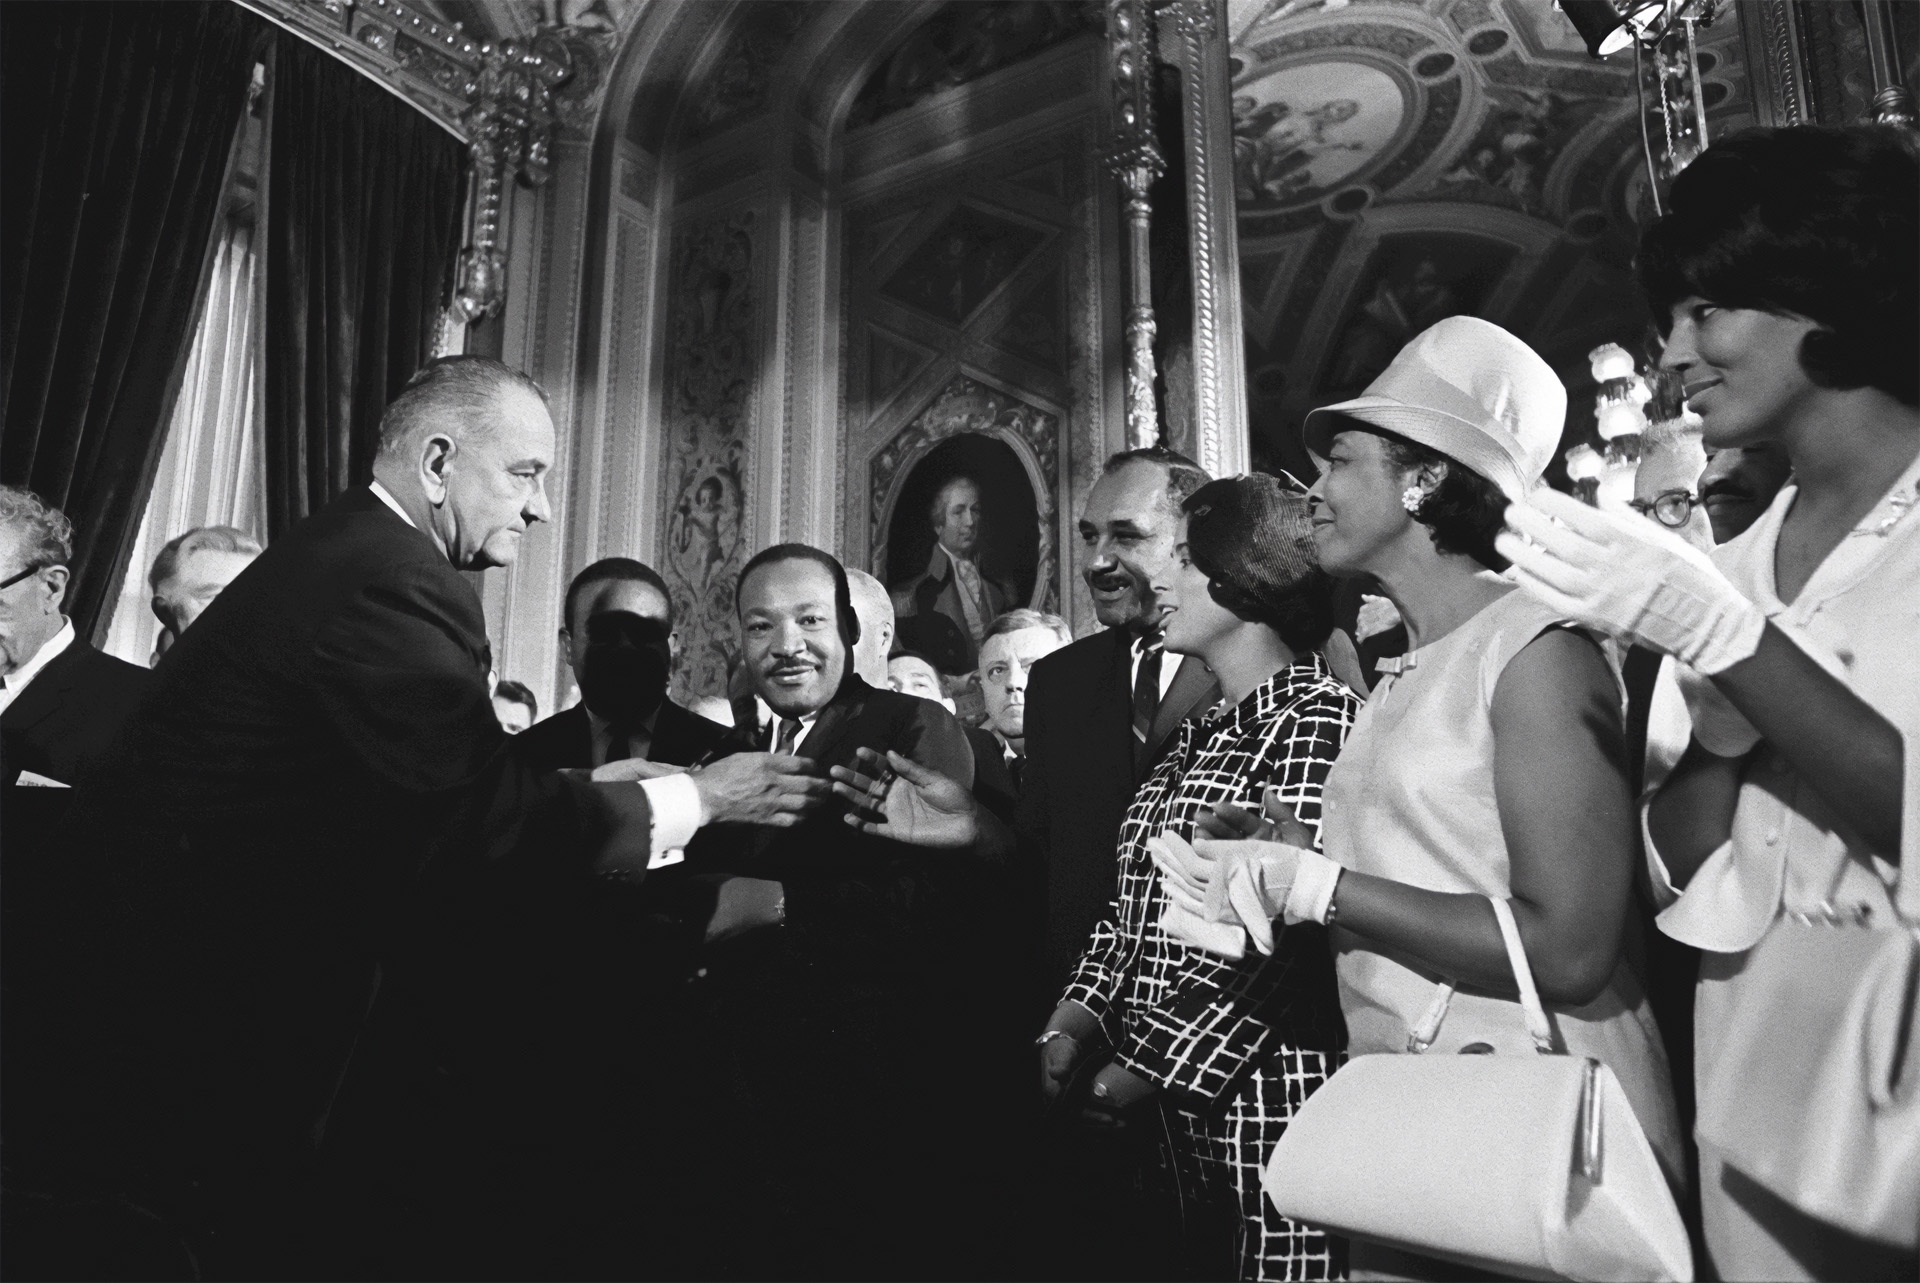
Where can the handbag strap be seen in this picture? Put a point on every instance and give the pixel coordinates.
(1538, 1026)
(1906, 894)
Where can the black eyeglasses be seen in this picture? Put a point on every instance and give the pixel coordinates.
(1671, 508)
(27, 573)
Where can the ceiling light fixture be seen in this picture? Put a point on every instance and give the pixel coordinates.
(1608, 26)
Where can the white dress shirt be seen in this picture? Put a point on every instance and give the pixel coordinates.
(381, 493)
(764, 711)
(18, 680)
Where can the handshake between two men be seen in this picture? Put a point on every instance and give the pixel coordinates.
(889, 796)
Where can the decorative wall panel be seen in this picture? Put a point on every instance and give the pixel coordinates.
(710, 371)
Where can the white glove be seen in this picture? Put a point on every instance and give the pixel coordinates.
(1631, 578)
(1190, 929)
(1377, 615)
(1184, 872)
(1717, 724)
(1255, 882)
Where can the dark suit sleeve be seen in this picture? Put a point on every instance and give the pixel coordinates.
(399, 675)
(938, 741)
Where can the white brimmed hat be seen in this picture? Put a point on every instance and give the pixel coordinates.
(1470, 390)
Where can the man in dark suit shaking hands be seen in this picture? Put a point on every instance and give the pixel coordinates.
(316, 748)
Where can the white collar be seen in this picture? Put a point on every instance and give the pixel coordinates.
(50, 650)
(381, 493)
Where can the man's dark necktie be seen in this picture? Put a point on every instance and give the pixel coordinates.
(1146, 697)
(619, 744)
(789, 732)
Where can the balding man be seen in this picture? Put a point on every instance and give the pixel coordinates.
(874, 608)
(311, 754)
(190, 572)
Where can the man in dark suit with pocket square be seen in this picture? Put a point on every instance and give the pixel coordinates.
(315, 751)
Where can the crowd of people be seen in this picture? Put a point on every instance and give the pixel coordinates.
(336, 960)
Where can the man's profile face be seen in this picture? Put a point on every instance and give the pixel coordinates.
(631, 595)
(514, 716)
(1129, 531)
(956, 518)
(1005, 661)
(496, 482)
(790, 635)
(912, 675)
(30, 608)
(197, 579)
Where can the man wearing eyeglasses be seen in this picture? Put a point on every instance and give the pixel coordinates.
(60, 699)
(1664, 485)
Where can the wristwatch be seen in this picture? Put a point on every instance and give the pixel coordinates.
(1051, 1034)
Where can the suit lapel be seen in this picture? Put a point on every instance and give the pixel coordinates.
(1193, 688)
(833, 723)
(43, 694)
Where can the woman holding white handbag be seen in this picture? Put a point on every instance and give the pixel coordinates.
(1787, 279)
(1486, 765)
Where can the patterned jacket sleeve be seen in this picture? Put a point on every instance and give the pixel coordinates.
(1216, 1016)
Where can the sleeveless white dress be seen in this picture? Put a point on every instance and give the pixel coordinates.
(1411, 798)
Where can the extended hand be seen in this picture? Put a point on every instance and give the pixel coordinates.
(1627, 576)
(1116, 1092)
(896, 797)
(1279, 824)
(633, 768)
(760, 788)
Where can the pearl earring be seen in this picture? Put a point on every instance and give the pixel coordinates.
(1412, 497)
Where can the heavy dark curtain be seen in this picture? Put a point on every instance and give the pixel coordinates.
(363, 226)
(116, 121)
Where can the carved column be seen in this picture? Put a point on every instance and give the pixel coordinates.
(1892, 102)
(1197, 42)
(1136, 158)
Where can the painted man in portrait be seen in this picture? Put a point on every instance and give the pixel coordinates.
(944, 612)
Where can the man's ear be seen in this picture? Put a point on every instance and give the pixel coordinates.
(56, 582)
(161, 612)
(673, 644)
(435, 457)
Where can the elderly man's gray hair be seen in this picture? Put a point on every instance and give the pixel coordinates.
(45, 534)
(446, 393)
(201, 539)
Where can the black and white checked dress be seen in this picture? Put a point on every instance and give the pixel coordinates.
(1234, 1046)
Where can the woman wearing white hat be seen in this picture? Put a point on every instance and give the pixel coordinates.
(1487, 763)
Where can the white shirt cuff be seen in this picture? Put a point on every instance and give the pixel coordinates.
(677, 816)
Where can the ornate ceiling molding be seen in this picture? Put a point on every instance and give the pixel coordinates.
(506, 99)
(448, 73)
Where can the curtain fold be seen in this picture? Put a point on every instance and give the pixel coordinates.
(116, 122)
(364, 212)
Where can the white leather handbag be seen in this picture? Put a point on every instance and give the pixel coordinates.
(1815, 1091)
(1528, 1166)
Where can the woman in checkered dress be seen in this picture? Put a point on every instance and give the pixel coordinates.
(1225, 1049)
